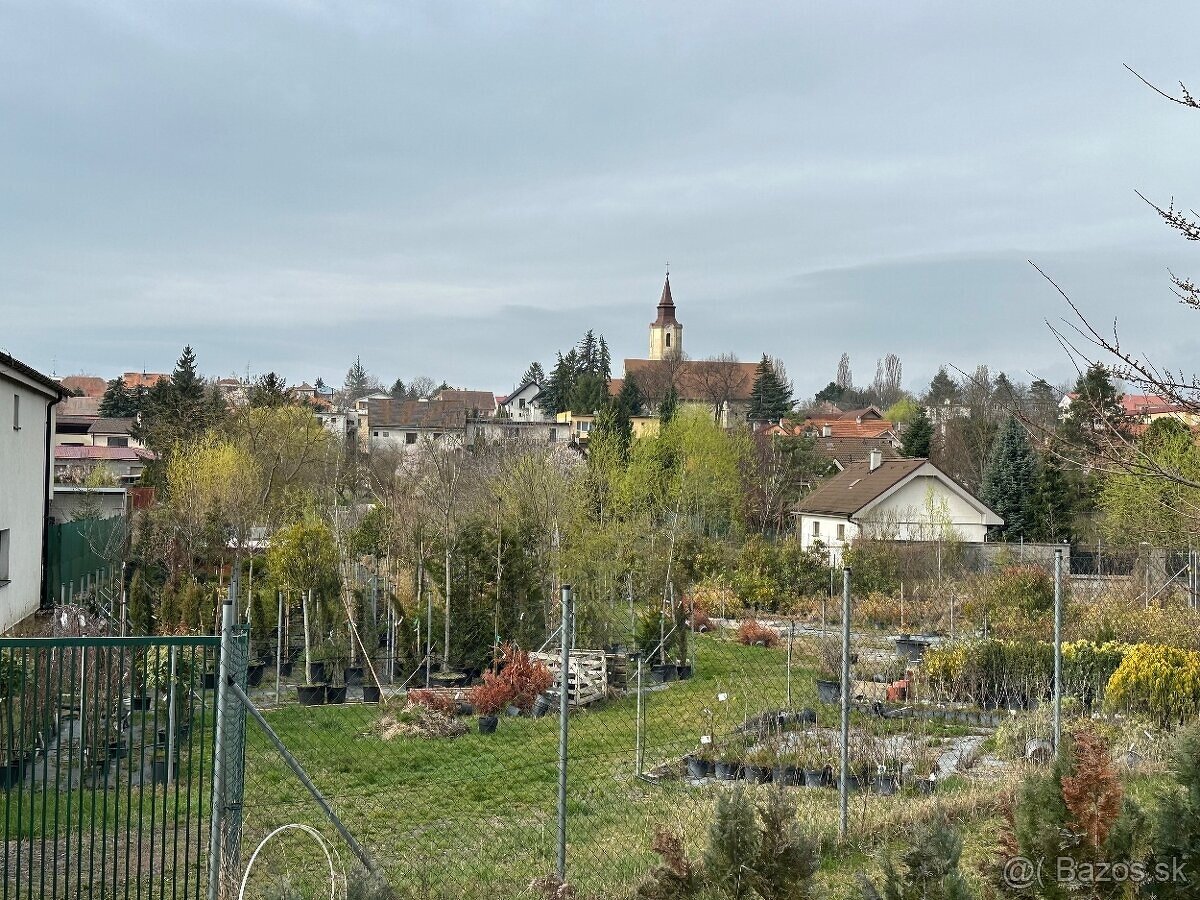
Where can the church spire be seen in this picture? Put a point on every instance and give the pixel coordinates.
(666, 305)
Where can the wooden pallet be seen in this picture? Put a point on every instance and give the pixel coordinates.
(587, 678)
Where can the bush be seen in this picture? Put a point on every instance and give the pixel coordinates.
(1161, 682)
(433, 700)
(1128, 620)
(492, 696)
(751, 632)
(528, 678)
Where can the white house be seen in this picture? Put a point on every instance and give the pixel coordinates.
(522, 405)
(896, 499)
(27, 400)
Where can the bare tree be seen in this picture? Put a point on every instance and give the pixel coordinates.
(888, 378)
(844, 379)
(717, 377)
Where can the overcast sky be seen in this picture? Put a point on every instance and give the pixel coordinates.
(455, 189)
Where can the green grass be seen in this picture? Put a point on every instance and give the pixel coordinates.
(474, 816)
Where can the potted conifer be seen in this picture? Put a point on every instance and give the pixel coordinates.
(489, 698)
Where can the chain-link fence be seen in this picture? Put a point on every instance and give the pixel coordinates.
(444, 777)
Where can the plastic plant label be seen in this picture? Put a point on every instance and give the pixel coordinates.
(722, 697)
(706, 738)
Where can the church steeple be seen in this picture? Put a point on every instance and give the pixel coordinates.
(666, 331)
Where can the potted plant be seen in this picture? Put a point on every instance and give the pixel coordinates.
(759, 763)
(700, 762)
(829, 677)
(310, 694)
(814, 759)
(787, 768)
(490, 698)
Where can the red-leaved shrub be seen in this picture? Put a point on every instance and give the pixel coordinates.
(492, 696)
(527, 677)
(751, 632)
(434, 700)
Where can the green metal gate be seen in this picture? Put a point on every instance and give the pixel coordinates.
(107, 765)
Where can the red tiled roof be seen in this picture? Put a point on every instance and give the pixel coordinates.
(692, 378)
(143, 379)
(85, 385)
(68, 451)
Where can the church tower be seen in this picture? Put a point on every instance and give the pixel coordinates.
(666, 332)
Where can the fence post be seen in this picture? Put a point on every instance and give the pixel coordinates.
(1058, 560)
(564, 710)
(791, 634)
(229, 756)
(844, 775)
(639, 737)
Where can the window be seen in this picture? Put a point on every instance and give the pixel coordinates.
(375, 434)
(387, 434)
(816, 529)
(3, 556)
(668, 339)
(841, 532)
(553, 435)
(118, 442)
(521, 403)
(16, 412)
(410, 437)
(437, 435)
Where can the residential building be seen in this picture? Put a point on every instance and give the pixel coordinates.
(146, 380)
(84, 385)
(342, 423)
(72, 501)
(73, 464)
(522, 404)
(578, 428)
(901, 499)
(362, 409)
(407, 424)
(27, 400)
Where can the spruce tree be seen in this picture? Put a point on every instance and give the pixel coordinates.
(117, 402)
(358, 382)
(587, 395)
(918, 435)
(269, 391)
(588, 353)
(1094, 413)
(770, 398)
(141, 609)
(1176, 825)
(556, 391)
(1008, 480)
(630, 399)
(603, 360)
(942, 389)
(1052, 506)
(535, 374)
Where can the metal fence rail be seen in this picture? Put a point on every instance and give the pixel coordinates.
(107, 746)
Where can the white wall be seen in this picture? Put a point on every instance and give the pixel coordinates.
(24, 490)
(923, 510)
(828, 535)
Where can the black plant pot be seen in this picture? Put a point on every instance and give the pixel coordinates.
(758, 774)
(785, 775)
(885, 785)
(829, 691)
(684, 672)
(926, 786)
(728, 771)
(335, 694)
(815, 778)
(665, 672)
(370, 693)
(145, 701)
(285, 668)
(807, 716)
(913, 649)
(487, 724)
(208, 681)
(12, 773)
(117, 750)
(696, 767)
(318, 673)
(160, 770)
(354, 676)
(254, 674)
(310, 694)
(541, 706)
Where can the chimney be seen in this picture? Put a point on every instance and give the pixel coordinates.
(826, 431)
(876, 459)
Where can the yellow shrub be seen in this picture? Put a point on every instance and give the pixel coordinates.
(1161, 682)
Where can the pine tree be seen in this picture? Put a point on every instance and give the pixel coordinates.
(587, 353)
(117, 402)
(1176, 824)
(186, 384)
(587, 395)
(930, 869)
(831, 393)
(630, 399)
(534, 374)
(1051, 508)
(556, 392)
(604, 360)
(398, 390)
(358, 383)
(1043, 404)
(942, 389)
(1008, 480)
(770, 399)
(733, 841)
(269, 391)
(1095, 411)
(918, 435)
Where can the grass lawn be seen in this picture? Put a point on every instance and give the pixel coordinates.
(474, 816)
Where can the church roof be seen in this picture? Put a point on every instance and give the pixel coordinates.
(666, 306)
(696, 380)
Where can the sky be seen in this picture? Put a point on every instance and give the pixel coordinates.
(455, 189)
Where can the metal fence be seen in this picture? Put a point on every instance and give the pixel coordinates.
(116, 761)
